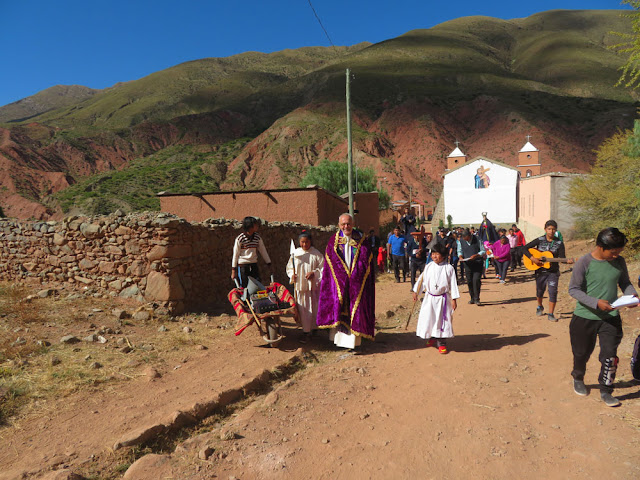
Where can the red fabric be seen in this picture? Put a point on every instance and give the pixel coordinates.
(382, 258)
(521, 241)
(245, 318)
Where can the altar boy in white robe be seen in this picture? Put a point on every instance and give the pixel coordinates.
(438, 282)
(305, 273)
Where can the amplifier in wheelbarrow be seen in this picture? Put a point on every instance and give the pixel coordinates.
(265, 302)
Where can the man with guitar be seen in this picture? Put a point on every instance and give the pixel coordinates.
(542, 255)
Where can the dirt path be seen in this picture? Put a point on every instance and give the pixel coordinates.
(499, 405)
(82, 425)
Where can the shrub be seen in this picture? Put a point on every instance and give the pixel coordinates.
(610, 196)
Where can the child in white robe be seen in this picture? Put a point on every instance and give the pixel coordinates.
(438, 282)
(305, 273)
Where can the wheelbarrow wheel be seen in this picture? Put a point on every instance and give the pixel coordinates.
(272, 331)
(273, 336)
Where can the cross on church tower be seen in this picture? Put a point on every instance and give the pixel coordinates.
(529, 160)
(456, 158)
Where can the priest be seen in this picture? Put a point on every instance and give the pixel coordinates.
(347, 291)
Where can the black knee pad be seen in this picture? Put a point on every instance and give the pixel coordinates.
(609, 368)
(635, 360)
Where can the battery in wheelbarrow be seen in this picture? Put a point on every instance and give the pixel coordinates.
(262, 303)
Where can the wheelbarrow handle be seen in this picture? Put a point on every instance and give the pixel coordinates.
(237, 282)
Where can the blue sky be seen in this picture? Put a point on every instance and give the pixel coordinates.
(98, 43)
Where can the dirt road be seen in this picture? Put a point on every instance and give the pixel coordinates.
(500, 405)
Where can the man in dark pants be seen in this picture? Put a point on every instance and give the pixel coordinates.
(547, 278)
(594, 284)
(417, 248)
(520, 243)
(396, 252)
(374, 241)
(471, 253)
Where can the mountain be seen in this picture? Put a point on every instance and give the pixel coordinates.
(52, 98)
(482, 81)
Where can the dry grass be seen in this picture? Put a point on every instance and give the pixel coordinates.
(31, 373)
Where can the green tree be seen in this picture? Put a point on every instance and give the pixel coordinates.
(610, 196)
(333, 176)
(449, 222)
(630, 76)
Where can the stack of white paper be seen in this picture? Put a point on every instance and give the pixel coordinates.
(625, 301)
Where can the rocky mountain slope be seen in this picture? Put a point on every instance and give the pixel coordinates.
(482, 81)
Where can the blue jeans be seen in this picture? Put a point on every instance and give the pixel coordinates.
(502, 268)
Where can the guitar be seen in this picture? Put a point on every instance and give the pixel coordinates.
(545, 257)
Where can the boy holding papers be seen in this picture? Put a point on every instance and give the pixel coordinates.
(594, 284)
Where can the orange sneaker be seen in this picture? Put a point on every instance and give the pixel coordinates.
(431, 342)
(443, 349)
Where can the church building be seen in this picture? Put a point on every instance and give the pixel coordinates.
(523, 194)
(477, 186)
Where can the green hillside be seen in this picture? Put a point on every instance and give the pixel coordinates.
(176, 169)
(59, 96)
(194, 87)
(561, 52)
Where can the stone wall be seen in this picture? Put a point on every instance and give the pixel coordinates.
(150, 257)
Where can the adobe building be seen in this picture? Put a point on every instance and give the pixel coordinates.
(543, 197)
(311, 206)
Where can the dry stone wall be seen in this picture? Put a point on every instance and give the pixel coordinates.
(149, 257)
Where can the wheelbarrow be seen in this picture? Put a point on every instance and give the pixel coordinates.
(263, 307)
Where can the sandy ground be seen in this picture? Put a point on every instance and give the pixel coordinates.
(500, 405)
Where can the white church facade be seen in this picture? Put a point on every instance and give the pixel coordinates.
(481, 185)
(522, 195)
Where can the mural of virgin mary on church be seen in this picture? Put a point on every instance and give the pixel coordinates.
(481, 178)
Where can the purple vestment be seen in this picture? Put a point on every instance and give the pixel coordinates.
(347, 297)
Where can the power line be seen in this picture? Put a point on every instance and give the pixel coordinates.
(321, 25)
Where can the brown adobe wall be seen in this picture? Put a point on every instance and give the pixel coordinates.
(368, 215)
(330, 208)
(149, 257)
(301, 206)
(307, 206)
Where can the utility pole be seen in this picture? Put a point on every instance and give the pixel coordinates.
(349, 155)
(410, 198)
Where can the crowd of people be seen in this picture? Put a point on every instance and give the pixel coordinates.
(337, 291)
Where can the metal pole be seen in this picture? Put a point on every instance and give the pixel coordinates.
(349, 155)
(410, 198)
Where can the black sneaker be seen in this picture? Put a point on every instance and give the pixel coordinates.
(580, 388)
(609, 400)
(539, 310)
(472, 301)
